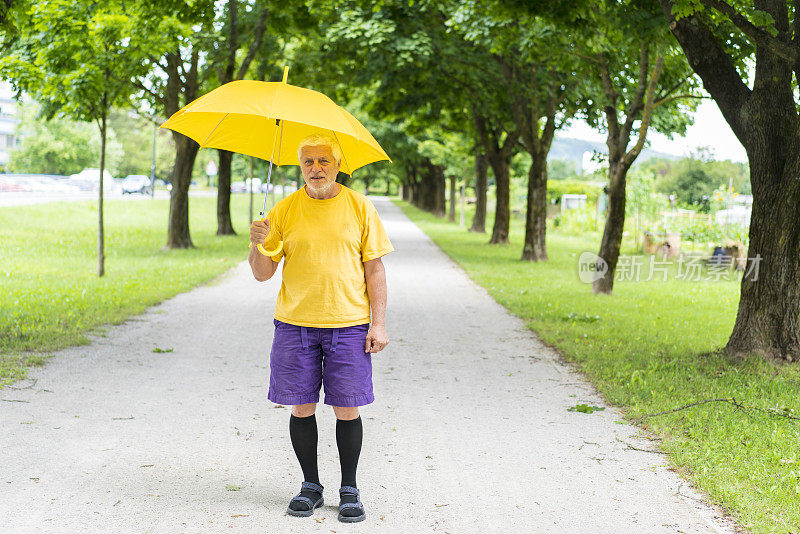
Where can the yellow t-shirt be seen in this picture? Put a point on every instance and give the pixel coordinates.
(325, 243)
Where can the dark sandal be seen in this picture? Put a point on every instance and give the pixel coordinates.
(302, 498)
(350, 490)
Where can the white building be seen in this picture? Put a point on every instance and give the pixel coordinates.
(572, 201)
(9, 118)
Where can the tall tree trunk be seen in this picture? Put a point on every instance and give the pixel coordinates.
(535, 248)
(178, 232)
(224, 224)
(501, 167)
(481, 169)
(765, 121)
(768, 318)
(228, 74)
(615, 225)
(422, 194)
(101, 249)
(440, 205)
(430, 194)
(499, 157)
(407, 187)
(451, 216)
(620, 158)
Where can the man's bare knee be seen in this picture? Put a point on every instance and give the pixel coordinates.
(346, 412)
(304, 410)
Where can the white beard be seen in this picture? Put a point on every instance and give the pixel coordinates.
(323, 189)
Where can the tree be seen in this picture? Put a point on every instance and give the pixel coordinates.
(419, 72)
(481, 179)
(77, 58)
(241, 28)
(720, 39)
(640, 78)
(500, 143)
(174, 77)
(135, 135)
(59, 146)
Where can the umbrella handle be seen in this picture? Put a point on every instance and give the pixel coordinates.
(266, 252)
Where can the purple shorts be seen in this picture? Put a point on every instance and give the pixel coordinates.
(304, 358)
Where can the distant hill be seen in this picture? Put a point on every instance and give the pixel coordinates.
(572, 149)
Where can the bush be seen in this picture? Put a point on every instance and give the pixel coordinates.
(577, 221)
(701, 232)
(571, 187)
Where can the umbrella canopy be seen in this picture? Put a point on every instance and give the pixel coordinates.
(269, 119)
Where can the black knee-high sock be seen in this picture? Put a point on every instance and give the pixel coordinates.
(303, 431)
(349, 434)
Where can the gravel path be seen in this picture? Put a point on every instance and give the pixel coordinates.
(470, 431)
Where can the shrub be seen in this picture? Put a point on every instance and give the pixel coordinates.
(571, 187)
(577, 221)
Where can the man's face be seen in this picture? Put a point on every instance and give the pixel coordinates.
(318, 167)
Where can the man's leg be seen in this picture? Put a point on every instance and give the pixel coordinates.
(347, 378)
(303, 432)
(349, 435)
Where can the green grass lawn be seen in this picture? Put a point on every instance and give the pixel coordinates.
(651, 347)
(51, 294)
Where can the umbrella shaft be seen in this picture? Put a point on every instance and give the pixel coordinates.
(271, 159)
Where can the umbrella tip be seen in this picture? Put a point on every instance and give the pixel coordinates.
(285, 73)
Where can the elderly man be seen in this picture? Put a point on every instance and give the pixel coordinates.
(332, 240)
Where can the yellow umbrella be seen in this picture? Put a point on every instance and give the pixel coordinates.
(253, 117)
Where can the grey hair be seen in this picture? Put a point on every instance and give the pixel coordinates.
(321, 140)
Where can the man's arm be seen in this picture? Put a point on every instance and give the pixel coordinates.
(263, 267)
(375, 274)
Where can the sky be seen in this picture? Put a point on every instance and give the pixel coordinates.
(709, 130)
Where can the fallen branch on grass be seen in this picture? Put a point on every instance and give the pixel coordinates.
(631, 447)
(777, 413)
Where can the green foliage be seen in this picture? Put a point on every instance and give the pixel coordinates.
(585, 408)
(696, 177)
(135, 134)
(626, 27)
(561, 169)
(577, 221)
(734, 42)
(77, 58)
(450, 149)
(640, 197)
(60, 146)
(555, 189)
(63, 146)
(407, 69)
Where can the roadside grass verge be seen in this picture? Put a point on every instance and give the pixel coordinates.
(652, 347)
(51, 295)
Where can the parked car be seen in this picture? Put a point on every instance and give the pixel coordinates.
(89, 179)
(256, 184)
(137, 183)
(238, 187)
